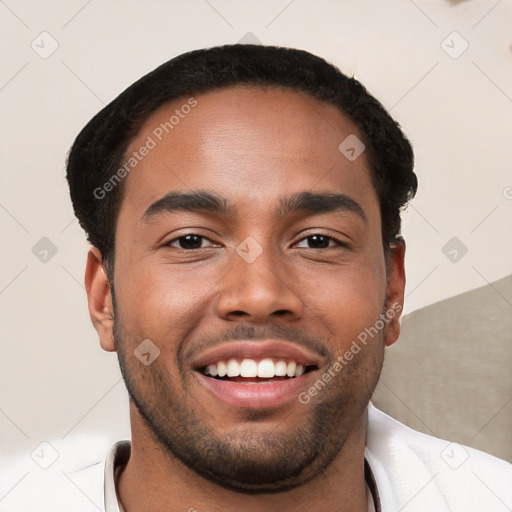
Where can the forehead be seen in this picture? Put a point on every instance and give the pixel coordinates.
(252, 144)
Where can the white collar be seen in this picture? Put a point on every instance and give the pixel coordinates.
(117, 458)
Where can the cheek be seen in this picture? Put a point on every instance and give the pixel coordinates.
(347, 303)
(162, 303)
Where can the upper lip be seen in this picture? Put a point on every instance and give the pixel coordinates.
(257, 350)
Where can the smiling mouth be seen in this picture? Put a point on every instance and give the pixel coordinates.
(253, 371)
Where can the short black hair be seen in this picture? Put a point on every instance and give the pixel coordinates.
(99, 149)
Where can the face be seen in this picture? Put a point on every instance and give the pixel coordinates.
(247, 242)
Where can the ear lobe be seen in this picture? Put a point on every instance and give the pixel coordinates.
(395, 290)
(99, 299)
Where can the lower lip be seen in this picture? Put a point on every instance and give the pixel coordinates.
(255, 395)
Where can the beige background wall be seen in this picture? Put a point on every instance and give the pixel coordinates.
(455, 103)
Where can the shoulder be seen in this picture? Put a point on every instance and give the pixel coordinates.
(416, 470)
(73, 481)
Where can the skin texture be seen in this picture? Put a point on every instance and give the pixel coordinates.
(253, 147)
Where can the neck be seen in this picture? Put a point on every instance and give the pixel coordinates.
(155, 480)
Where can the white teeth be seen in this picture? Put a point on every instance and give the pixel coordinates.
(248, 368)
(233, 368)
(281, 367)
(221, 369)
(290, 371)
(266, 368)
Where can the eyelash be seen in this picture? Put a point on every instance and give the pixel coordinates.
(337, 241)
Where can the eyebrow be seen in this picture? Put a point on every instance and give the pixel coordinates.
(310, 202)
(198, 201)
(208, 202)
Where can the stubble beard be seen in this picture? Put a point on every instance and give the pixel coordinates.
(249, 460)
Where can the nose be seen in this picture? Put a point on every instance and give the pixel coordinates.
(258, 291)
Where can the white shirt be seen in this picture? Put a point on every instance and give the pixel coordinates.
(413, 472)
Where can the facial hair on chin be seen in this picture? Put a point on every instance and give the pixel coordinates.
(246, 461)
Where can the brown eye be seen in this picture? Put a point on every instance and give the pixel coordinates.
(189, 242)
(317, 242)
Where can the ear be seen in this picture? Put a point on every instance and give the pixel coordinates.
(395, 290)
(99, 299)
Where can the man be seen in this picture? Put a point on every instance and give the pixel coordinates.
(243, 206)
